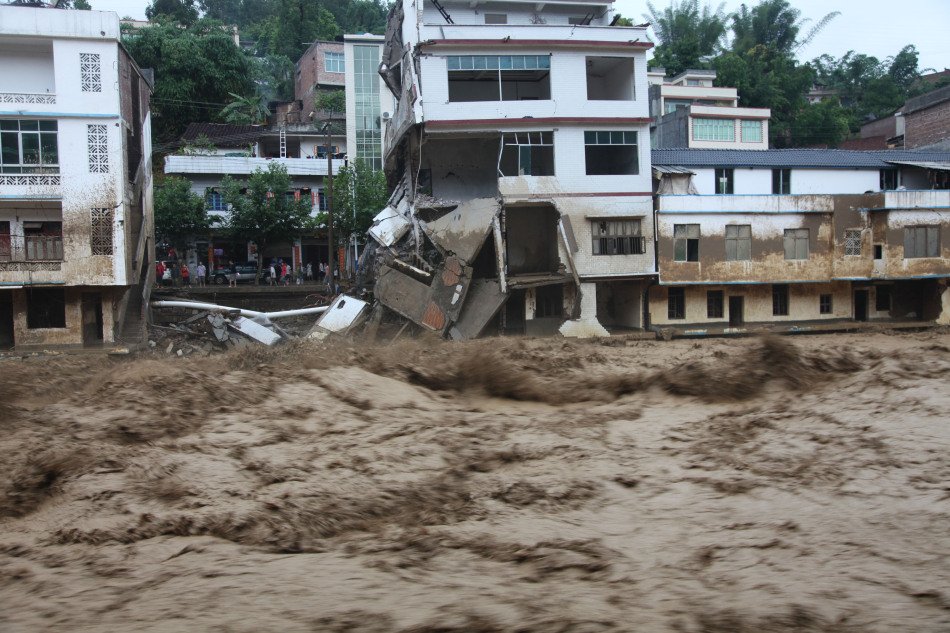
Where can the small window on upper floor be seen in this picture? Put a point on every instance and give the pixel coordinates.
(527, 154)
(610, 79)
(333, 62)
(693, 82)
(29, 147)
(888, 179)
(714, 130)
(725, 180)
(496, 18)
(782, 181)
(611, 153)
(751, 131)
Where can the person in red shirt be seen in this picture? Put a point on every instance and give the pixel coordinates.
(159, 271)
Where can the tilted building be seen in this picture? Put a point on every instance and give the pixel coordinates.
(519, 151)
(75, 180)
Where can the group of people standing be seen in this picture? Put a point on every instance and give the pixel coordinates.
(178, 273)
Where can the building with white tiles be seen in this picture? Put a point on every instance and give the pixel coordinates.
(75, 180)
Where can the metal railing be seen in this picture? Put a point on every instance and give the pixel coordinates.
(31, 248)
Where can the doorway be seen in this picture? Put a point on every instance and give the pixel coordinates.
(6, 319)
(91, 318)
(860, 305)
(736, 309)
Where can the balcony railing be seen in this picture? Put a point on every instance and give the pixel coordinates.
(31, 248)
(27, 97)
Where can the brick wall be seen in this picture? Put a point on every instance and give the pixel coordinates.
(927, 126)
(310, 69)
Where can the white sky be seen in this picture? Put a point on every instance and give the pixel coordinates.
(874, 27)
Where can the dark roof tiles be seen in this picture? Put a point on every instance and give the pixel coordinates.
(801, 158)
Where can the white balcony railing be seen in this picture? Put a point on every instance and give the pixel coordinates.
(918, 199)
(512, 33)
(243, 166)
(27, 97)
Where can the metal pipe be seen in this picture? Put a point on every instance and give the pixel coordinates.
(197, 305)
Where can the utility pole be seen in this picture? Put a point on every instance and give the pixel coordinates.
(329, 194)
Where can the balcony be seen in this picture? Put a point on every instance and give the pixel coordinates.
(244, 166)
(27, 97)
(562, 36)
(31, 248)
(923, 199)
(690, 203)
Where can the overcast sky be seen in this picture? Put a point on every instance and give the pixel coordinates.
(874, 27)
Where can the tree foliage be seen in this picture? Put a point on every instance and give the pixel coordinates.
(178, 11)
(688, 35)
(266, 213)
(245, 110)
(179, 212)
(197, 69)
(330, 101)
(359, 194)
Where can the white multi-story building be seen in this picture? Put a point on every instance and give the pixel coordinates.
(368, 102)
(533, 118)
(75, 180)
(689, 111)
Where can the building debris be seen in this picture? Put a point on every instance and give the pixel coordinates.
(343, 315)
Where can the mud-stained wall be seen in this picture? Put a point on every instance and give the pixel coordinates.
(896, 264)
(803, 303)
(851, 213)
(69, 335)
(767, 261)
(462, 168)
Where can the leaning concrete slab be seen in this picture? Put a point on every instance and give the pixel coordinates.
(485, 298)
(462, 231)
(342, 315)
(389, 226)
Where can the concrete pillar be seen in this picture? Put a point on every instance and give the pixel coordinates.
(944, 317)
(587, 326)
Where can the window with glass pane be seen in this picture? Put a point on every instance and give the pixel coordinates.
(499, 77)
(28, 147)
(714, 304)
(333, 62)
(751, 131)
(369, 139)
(676, 303)
(617, 237)
(611, 153)
(686, 242)
(796, 243)
(725, 181)
(824, 304)
(714, 129)
(782, 181)
(780, 300)
(852, 242)
(527, 154)
(738, 242)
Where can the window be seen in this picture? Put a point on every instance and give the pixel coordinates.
(780, 300)
(610, 79)
(714, 304)
(101, 235)
(725, 181)
(333, 62)
(921, 241)
(738, 242)
(6, 247)
(527, 154)
(214, 201)
(693, 82)
(611, 153)
(676, 304)
(90, 70)
(369, 135)
(751, 131)
(29, 147)
(499, 77)
(686, 242)
(714, 129)
(97, 144)
(549, 301)
(824, 304)
(617, 237)
(496, 18)
(852, 242)
(43, 241)
(888, 179)
(882, 298)
(45, 308)
(796, 243)
(878, 251)
(782, 181)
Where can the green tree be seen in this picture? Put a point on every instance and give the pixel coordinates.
(82, 5)
(274, 76)
(196, 70)
(267, 214)
(774, 24)
(688, 36)
(823, 123)
(330, 101)
(359, 194)
(180, 11)
(245, 110)
(179, 212)
(297, 24)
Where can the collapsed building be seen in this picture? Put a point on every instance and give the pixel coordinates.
(518, 151)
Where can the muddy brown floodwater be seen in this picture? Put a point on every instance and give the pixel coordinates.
(724, 485)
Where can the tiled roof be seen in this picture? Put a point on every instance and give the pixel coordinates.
(801, 158)
(224, 134)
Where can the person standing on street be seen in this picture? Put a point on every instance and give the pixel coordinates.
(200, 274)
